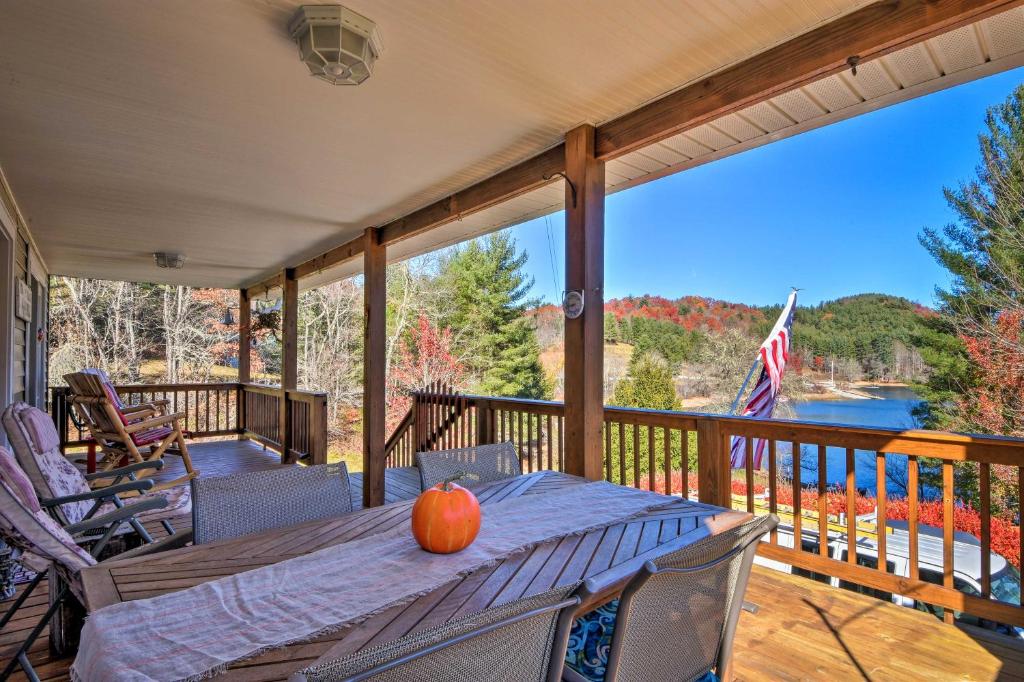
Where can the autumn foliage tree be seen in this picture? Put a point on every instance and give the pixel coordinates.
(426, 355)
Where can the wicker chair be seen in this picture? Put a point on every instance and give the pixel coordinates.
(480, 464)
(241, 504)
(690, 598)
(523, 640)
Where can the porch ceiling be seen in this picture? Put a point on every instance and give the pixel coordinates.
(128, 128)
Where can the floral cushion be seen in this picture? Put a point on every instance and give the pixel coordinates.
(17, 480)
(179, 503)
(40, 538)
(590, 640)
(51, 473)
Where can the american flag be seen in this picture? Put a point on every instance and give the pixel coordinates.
(761, 404)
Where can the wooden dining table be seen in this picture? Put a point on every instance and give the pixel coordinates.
(609, 555)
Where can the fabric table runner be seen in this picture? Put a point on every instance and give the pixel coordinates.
(199, 631)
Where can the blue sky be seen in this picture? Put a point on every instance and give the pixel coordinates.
(835, 211)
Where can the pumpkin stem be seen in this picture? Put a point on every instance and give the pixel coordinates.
(446, 484)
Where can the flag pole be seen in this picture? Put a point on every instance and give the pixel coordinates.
(735, 403)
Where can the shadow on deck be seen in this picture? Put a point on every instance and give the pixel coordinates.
(804, 630)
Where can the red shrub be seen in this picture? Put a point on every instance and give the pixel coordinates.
(966, 519)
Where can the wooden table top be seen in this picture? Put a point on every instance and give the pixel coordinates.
(611, 555)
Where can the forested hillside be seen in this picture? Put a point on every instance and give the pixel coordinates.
(875, 335)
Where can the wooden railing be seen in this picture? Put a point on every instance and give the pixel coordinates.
(688, 454)
(222, 409)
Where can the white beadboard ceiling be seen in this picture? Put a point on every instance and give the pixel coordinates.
(990, 46)
(130, 127)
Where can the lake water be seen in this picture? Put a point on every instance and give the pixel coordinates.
(893, 409)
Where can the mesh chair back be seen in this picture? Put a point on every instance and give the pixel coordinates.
(252, 502)
(677, 618)
(517, 641)
(480, 464)
(36, 446)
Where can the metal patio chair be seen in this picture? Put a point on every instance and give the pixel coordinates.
(69, 494)
(121, 435)
(241, 504)
(523, 640)
(677, 617)
(479, 464)
(52, 551)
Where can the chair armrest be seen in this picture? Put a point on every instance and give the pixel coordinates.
(139, 412)
(101, 493)
(179, 539)
(154, 422)
(155, 464)
(116, 516)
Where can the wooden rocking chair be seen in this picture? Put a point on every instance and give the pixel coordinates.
(120, 435)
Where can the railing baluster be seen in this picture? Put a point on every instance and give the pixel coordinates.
(985, 493)
(851, 507)
(666, 435)
(685, 454)
(773, 492)
(798, 519)
(606, 435)
(636, 456)
(915, 573)
(622, 462)
(651, 466)
(748, 474)
(561, 442)
(822, 501)
(550, 445)
(881, 513)
(947, 532)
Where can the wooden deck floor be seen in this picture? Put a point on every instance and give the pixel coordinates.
(804, 630)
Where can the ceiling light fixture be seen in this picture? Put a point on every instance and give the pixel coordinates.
(173, 261)
(336, 44)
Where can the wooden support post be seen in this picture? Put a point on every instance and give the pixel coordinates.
(584, 336)
(374, 368)
(484, 419)
(289, 358)
(244, 365)
(714, 471)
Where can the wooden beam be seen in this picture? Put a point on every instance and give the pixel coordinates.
(519, 179)
(868, 33)
(266, 285)
(584, 336)
(374, 365)
(289, 357)
(338, 254)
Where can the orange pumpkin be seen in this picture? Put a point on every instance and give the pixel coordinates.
(446, 518)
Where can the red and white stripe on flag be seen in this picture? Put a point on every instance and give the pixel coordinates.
(761, 404)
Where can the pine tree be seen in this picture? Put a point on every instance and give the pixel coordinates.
(647, 384)
(984, 253)
(489, 300)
